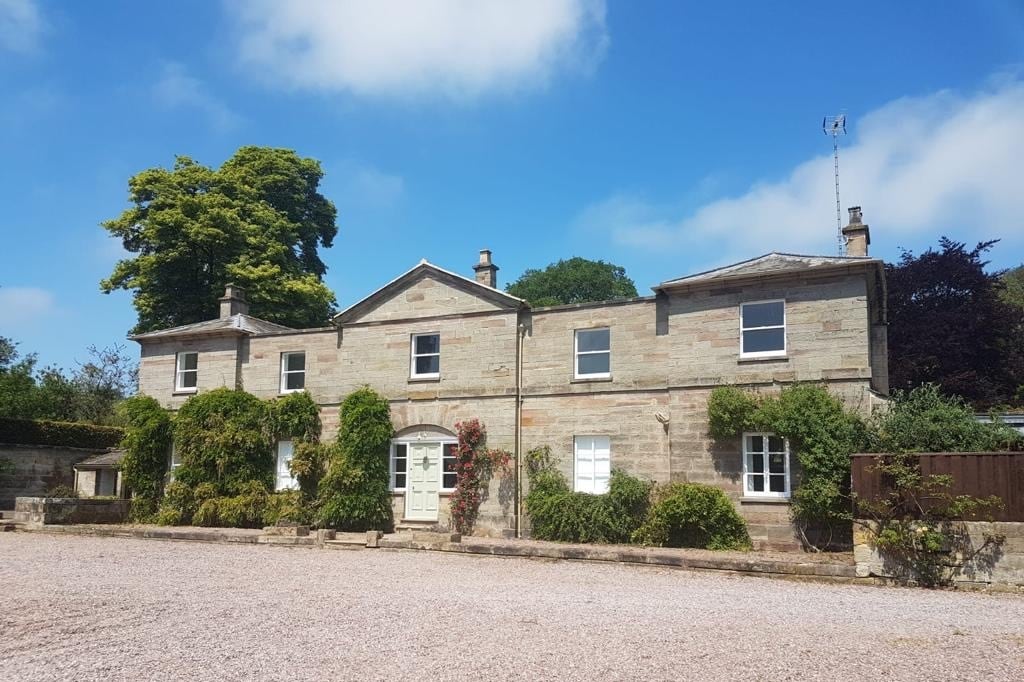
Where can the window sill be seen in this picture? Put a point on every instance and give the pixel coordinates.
(422, 380)
(766, 358)
(294, 390)
(753, 499)
(185, 391)
(590, 380)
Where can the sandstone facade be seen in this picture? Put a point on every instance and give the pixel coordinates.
(667, 352)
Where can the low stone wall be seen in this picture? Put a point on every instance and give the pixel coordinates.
(60, 510)
(1001, 564)
(38, 468)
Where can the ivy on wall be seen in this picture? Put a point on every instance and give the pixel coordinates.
(822, 435)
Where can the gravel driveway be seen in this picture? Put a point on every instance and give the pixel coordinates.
(108, 608)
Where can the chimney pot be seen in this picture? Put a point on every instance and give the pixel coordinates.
(486, 271)
(233, 301)
(857, 234)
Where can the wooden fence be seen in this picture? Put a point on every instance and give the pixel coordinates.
(980, 474)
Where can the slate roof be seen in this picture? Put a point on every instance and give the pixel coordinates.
(773, 263)
(103, 460)
(422, 269)
(236, 324)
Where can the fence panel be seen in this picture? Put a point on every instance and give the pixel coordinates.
(979, 474)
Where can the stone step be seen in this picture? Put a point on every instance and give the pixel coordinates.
(6, 514)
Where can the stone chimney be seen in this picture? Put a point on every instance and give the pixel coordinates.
(486, 271)
(857, 235)
(233, 301)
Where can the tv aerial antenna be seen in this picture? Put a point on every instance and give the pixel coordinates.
(836, 126)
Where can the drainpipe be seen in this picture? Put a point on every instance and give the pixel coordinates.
(520, 335)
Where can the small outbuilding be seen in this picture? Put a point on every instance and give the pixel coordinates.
(100, 475)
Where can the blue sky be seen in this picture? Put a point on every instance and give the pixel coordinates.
(667, 137)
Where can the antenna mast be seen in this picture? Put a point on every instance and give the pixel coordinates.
(836, 126)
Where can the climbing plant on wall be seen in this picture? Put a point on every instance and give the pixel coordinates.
(474, 467)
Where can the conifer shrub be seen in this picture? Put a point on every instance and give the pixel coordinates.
(222, 438)
(354, 493)
(147, 446)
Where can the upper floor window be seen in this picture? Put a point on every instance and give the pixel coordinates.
(426, 356)
(592, 464)
(284, 478)
(186, 371)
(765, 465)
(762, 329)
(293, 372)
(593, 353)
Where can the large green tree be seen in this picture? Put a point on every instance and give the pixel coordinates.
(949, 325)
(88, 393)
(576, 280)
(257, 221)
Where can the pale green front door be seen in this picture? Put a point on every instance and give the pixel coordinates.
(421, 496)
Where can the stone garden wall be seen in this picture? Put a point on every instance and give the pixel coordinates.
(58, 510)
(38, 468)
(1001, 564)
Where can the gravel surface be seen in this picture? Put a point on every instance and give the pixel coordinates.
(110, 608)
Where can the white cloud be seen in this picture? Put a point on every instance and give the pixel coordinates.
(24, 306)
(177, 89)
(21, 25)
(917, 165)
(458, 48)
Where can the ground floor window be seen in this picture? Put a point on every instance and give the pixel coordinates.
(399, 465)
(449, 478)
(765, 465)
(173, 463)
(285, 480)
(592, 464)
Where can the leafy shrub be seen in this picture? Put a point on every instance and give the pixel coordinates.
(177, 506)
(558, 513)
(354, 493)
(287, 506)
(248, 509)
(693, 515)
(925, 420)
(62, 491)
(147, 443)
(223, 439)
(308, 465)
(919, 524)
(59, 434)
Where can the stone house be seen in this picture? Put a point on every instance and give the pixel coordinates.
(610, 384)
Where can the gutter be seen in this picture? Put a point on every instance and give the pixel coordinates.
(520, 336)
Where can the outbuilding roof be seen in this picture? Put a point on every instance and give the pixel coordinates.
(104, 460)
(236, 324)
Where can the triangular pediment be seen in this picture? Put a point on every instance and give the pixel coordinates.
(427, 291)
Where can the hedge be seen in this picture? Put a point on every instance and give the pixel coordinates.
(60, 434)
